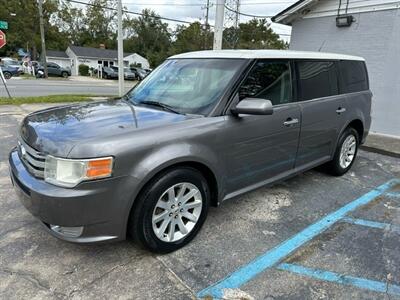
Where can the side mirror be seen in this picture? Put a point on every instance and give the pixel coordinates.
(253, 106)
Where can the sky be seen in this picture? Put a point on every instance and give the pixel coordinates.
(194, 10)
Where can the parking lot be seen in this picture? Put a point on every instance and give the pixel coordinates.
(311, 237)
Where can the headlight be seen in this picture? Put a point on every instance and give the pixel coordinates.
(70, 172)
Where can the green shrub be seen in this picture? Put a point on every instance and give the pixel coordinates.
(83, 70)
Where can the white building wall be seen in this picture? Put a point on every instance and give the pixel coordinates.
(374, 36)
(330, 7)
(137, 59)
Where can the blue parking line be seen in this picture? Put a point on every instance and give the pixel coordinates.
(373, 224)
(392, 195)
(362, 283)
(368, 223)
(275, 255)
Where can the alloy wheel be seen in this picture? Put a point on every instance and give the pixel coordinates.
(348, 151)
(177, 212)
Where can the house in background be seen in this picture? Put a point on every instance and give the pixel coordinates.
(93, 57)
(367, 28)
(59, 57)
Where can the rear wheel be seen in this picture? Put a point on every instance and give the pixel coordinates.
(7, 75)
(64, 74)
(171, 210)
(345, 153)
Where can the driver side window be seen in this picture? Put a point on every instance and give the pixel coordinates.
(268, 80)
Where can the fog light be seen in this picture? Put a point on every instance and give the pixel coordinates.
(71, 232)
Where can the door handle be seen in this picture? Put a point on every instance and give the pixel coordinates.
(290, 122)
(340, 110)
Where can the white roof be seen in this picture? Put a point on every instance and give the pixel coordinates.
(254, 54)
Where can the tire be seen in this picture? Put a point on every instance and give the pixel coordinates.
(7, 75)
(339, 165)
(64, 74)
(146, 209)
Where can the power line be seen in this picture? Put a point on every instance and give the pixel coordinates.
(160, 17)
(129, 12)
(248, 15)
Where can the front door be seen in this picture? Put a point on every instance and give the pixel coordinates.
(262, 148)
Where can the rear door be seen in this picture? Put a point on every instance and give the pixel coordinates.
(261, 148)
(323, 110)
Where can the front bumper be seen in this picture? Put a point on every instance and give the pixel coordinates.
(99, 207)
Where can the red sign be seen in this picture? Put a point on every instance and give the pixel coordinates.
(3, 41)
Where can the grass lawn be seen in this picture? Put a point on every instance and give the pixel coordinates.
(46, 99)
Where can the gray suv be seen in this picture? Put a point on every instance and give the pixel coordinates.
(202, 128)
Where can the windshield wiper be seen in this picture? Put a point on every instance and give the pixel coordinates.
(162, 105)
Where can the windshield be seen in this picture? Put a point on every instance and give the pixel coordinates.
(191, 86)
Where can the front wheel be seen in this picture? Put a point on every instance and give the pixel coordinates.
(64, 74)
(171, 210)
(345, 153)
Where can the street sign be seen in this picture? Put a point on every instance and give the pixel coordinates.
(3, 41)
(3, 25)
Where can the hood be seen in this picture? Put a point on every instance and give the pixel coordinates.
(56, 130)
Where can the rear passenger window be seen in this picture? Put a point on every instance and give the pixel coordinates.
(269, 80)
(353, 75)
(317, 79)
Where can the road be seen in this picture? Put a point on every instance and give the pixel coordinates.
(41, 87)
(274, 232)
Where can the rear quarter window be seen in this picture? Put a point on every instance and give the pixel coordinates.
(353, 76)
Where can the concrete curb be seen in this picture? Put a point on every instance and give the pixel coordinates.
(382, 144)
(380, 151)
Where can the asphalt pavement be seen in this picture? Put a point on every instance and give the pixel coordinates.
(19, 87)
(313, 236)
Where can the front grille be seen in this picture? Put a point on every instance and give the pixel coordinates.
(32, 159)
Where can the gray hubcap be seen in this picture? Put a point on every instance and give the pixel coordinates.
(348, 151)
(177, 212)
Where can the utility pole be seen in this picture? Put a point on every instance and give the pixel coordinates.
(219, 25)
(206, 25)
(41, 24)
(121, 82)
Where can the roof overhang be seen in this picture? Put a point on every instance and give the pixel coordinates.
(296, 10)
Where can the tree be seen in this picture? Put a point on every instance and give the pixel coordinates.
(23, 19)
(148, 36)
(257, 34)
(70, 19)
(101, 24)
(191, 38)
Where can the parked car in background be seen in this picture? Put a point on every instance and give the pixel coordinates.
(54, 69)
(140, 73)
(109, 73)
(13, 63)
(128, 74)
(203, 128)
(10, 71)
